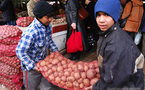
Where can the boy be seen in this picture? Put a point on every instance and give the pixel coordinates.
(120, 61)
(33, 46)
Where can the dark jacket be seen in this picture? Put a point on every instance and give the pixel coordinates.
(90, 20)
(71, 11)
(7, 8)
(121, 62)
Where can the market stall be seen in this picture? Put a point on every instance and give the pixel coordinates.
(59, 29)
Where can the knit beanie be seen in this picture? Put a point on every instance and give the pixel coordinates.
(43, 8)
(110, 7)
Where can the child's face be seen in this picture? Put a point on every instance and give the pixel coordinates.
(46, 20)
(104, 21)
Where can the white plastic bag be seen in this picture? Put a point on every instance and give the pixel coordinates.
(137, 38)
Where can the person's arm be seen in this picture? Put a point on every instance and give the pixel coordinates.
(74, 10)
(30, 10)
(22, 51)
(113, 55)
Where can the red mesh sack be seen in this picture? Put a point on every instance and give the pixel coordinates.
(7, 50)
(11, 84)
(9, 34)
(8, 70)
(24, 21)
(11, 61)
(68, 74)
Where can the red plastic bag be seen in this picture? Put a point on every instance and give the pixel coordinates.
(74, 42)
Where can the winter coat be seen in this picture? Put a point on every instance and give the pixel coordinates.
(121, 62)
(71, 11)
(30, 7)
(90, 20)
(7, 8)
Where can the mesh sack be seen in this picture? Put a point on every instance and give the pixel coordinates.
(68, 74)
(10, 83)
(9, 34)
(7, 50)
(12, 61)
(24, 21)
(8, 70)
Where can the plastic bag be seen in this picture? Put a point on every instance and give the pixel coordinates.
(137, 38)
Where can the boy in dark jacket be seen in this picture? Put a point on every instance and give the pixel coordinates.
(120, 61)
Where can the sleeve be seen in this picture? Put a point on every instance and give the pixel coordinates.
(22, 51)
(116, 56)
(74, 10)
(3, 5)
(30, 10)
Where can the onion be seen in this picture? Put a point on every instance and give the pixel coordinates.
(91, 73)
(77, 75)
(81, 85)
(91, 66)
(55, 61)
(59, 68)
(83, 75)
(80, 67)
(49, 72)
(57, 80)
(86, 82)
(63, 78)
(66, 73)
(45, 68)
(63, 62)
(51, 77)
(80, 80)
(86, 68)
(76, 84)
(70, 79)
(54, 68)
(69, 84)
(42, 63)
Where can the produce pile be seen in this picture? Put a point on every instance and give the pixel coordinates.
(24, 21)
(11, 73)
(68, 74)
(59, 19)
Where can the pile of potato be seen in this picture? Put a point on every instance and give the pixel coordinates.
(68, 74)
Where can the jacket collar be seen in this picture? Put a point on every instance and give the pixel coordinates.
(106, 33)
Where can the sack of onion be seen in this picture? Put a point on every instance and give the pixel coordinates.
(24, 21)
(9, 34)
(68, 74)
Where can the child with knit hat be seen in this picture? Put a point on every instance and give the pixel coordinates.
(36, 40)
(120, 60)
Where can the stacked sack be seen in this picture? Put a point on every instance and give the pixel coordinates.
(24, 21)
(68, 74)
(11, 73)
